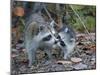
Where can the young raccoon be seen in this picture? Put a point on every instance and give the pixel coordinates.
(42, 34)
(37, 35)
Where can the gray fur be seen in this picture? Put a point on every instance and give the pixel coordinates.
(34, 40)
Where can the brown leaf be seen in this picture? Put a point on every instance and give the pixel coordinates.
(64, 62)
(14, 55)
(91, 47)
(76, 60)
(18, 11)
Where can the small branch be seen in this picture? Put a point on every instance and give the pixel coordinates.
(49, 15)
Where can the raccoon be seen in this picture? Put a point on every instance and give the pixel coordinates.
(37, 35)
(42, 34)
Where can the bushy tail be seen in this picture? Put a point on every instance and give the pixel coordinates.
(30, 32)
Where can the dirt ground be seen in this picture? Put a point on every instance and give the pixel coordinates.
(82, 58)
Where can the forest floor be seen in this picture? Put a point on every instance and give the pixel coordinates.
(82, 58)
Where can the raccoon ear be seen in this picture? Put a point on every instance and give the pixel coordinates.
(66, 30)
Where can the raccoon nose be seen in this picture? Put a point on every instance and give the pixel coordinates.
(55, 42)
(62, 43)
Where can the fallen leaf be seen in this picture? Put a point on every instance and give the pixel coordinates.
(76, 60)
(64, 62)
(14, 55)
(23, 50)
(90, 47)
(19, 11)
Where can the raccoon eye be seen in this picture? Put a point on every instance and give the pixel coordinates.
(62, 43)
(47, 38)
(58, 37)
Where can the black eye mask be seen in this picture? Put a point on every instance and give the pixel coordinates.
(47, 38)
(60, 40)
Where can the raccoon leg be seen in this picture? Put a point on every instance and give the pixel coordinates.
(31, 57)
(65, 54)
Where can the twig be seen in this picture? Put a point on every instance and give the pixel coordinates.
(49, 15)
